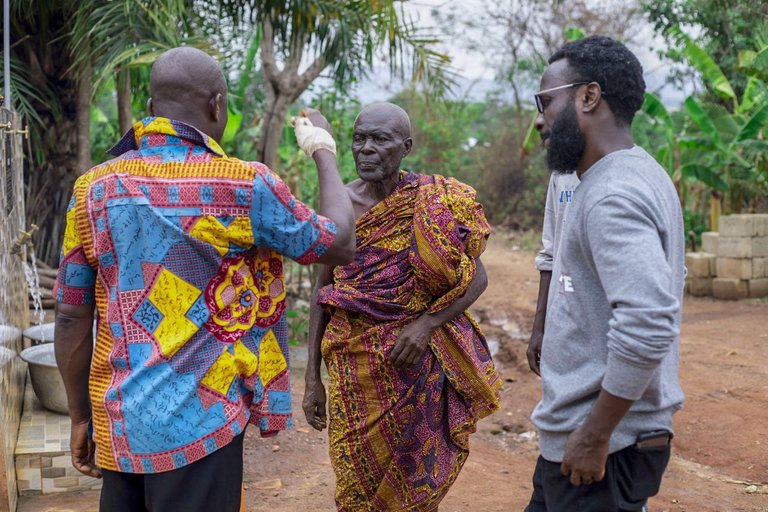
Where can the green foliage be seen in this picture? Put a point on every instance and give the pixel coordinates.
(110, 35)
(104, 129)
(724, 29)
(298, 325)
(476, 142)
(574, 34)
(711, 149)
(347, 34)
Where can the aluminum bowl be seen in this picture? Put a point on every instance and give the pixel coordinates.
(38, 334)
(46, 379)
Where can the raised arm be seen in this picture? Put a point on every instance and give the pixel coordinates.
(314, 391)
(334, 200)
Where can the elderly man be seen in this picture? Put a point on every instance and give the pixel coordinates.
(610, 352)
(410, 372)
(178, 247)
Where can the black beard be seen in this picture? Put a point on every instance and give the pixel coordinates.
(566, 143)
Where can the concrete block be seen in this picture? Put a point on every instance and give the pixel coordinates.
(737, 225)
(734, 247)
(759, 268)
(699, 286)
(729, 289)
(760, 247)
(761, 224)
(709, 241)
(699, 264)
(758, 288)
(738, 268)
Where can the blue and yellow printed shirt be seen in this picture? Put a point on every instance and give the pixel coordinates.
(180, 247)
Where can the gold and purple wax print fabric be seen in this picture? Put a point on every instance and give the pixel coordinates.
(180, 248)
(398, 438)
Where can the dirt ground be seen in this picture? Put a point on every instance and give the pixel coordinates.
(720, 458)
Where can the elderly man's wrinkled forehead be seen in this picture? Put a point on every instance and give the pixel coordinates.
(384, 116)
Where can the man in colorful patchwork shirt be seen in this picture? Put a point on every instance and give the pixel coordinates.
(178, 247)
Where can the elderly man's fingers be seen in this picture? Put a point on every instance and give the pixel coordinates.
(396, 350)
(402, 357)
(320, 421)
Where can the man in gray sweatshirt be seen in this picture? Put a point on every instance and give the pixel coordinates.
(609, 356)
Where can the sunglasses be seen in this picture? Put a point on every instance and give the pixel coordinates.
(537, 96)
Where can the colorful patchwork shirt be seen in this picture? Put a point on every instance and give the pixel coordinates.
(180, 247)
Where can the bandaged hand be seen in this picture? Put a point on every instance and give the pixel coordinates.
(311, 138)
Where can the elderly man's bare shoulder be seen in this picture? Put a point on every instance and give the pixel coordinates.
(355, 190)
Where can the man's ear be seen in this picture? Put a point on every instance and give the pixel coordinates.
(407, 145)
(150, 107)
(591, 97)
(216, 105)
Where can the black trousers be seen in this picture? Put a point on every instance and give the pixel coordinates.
(632, 475)
(211, 483)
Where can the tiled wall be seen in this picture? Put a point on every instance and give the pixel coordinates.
(43, 461)
(50, 473)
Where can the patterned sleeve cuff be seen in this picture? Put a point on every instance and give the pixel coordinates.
(324, 240)
(76, 280)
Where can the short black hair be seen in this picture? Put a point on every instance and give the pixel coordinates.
(609, 63)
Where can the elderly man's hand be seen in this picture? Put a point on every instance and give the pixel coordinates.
(411, 342)
(314, 403)
(83, 450)
(317, 119)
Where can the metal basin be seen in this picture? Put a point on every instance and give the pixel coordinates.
(38, 334)
(46, 379)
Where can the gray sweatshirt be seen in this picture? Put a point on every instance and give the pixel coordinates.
(615, 303)
(559, 196)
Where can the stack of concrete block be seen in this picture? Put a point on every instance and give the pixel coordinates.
(742, 257)
(701, 272)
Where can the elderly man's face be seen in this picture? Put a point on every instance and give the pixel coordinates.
(378, 146)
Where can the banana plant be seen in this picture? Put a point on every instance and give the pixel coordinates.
(719, 144)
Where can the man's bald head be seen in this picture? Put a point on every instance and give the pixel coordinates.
(388, 114)
(188, 85)
(382, 138)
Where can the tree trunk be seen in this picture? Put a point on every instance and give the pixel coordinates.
(272, 129)
(124, 109)
(83, 121)
(282, 87)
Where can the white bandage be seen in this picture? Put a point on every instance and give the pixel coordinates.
(311, 138)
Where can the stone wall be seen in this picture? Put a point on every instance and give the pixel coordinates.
(733, 263)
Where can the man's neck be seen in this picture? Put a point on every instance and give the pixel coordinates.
(603, 143)
(378, 190)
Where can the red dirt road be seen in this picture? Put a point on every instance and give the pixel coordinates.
(720, 458)
(720, 448)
